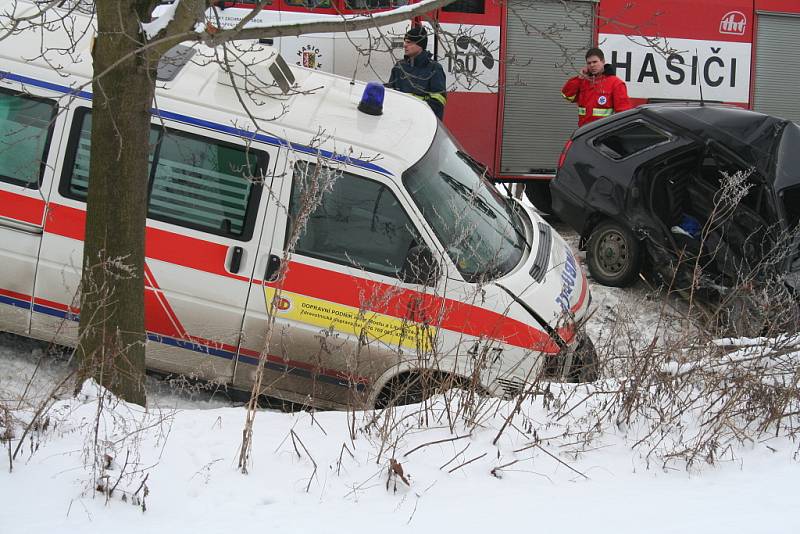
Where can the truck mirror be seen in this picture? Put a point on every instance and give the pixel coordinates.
(420, 267)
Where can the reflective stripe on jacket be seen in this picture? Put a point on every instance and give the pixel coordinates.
(422, 77)
(597, 112)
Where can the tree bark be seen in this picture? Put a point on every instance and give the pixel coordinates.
(112, 334)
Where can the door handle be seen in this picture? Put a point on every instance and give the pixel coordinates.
(273, 266)
(236, 259)
(22, 226)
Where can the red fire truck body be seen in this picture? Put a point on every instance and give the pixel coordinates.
(507, 60)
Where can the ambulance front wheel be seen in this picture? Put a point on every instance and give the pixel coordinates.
(584, 363)
(412, 387)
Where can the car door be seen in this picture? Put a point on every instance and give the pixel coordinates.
(205, 218)
(619, 186)
(30, 131)
(341, 315)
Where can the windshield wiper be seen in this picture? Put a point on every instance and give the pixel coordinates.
(482, 169)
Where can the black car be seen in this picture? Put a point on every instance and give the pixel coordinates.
(705, 196)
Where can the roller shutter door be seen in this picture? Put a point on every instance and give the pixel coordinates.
(545, 45)
(777, 90)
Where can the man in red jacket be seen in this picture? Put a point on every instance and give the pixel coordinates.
(596, 90)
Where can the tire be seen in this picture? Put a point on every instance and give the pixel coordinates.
(613, 255)
(538, 192)
(413, 387)
(409, 388)
(584, 363)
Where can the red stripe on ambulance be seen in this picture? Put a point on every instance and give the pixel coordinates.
(159, 316)
(419, 307)
(319, 283)
(21, 208)
(169, 247)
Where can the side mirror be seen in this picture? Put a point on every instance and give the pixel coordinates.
(420, 267)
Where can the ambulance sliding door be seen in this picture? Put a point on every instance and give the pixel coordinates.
(30, 131)
(205, 217)
(340, 316)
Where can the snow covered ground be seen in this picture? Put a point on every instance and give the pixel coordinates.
(174, 468)
(309, 475)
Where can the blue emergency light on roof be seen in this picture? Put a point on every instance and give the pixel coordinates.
(372, 99)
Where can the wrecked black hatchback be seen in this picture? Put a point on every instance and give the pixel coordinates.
(706, 197)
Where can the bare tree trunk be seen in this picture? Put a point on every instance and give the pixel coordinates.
(112, 331)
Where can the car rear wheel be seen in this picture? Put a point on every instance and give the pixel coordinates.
(613, 255)
(538, 192)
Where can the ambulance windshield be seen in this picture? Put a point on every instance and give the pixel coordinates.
(483, 236)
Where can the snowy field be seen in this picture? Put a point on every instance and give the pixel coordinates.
(497, 467)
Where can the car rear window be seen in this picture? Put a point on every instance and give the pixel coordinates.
(630, 139)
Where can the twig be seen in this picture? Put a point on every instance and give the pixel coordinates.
(467, 462)
(341, 452)
(42, 407)
(559, 460)
(459, 453)
(526, 447)
(501, 467)
(294, 444)
(435, 443)
(587, 397)
(141, 485)
(313, 474)
(121, 473)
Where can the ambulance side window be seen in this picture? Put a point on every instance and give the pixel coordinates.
(26, 125)
(204, 184)
(357, 221)
(196, 182)
(75, 181)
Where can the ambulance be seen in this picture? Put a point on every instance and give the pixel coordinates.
(409, 263)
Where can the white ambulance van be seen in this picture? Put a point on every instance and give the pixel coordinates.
(412, 262)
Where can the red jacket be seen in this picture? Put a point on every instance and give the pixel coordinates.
(597, 97)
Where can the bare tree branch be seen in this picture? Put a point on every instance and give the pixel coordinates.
(181, 29)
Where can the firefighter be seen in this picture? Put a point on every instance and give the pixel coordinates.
(417, 73)
(596, 90)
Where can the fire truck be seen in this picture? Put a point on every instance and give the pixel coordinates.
(507, 60)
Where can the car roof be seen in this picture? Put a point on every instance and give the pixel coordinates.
(728, 124)
(751, 135)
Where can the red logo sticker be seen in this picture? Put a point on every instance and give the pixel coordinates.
(733, 23)
(282, 304)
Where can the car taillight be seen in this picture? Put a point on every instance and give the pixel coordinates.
(564, 153)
